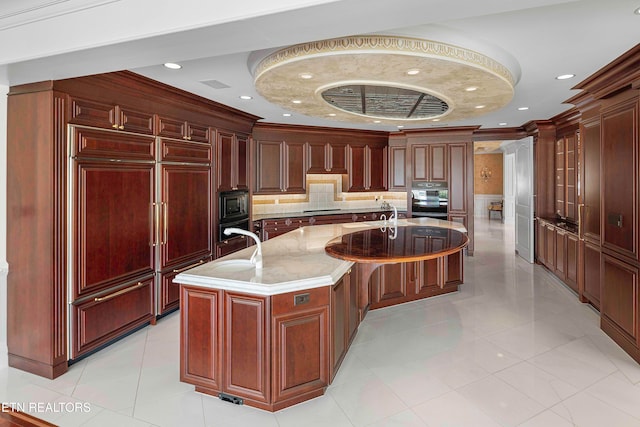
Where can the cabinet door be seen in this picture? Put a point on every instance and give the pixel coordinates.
(201, 345)
(269, 166)
(620, 296)
(113, 222)
(550, 240)
(377, 168)
(295, 168)
(135, 121)
(246, 342)
(453, 265)
(93, 113)
(356, 180)
(420, 160)
(338, 157)
(197, 132)
(353, 312)
(560, 175)
(225, 158)
(339, 301)
(300, 343)
(561, 254)
(317, 157)
(186, 214)
(392, 282)
(98, 320)
(241, 175)
(438, 162)
(619, 166)
(571, 155)
(541, 243)
(590, 181)
(571, 276)
(592, 273)
(230, 246)
(458, 178)
(172, 128)
(397, 168)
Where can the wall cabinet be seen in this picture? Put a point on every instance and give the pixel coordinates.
(397, 168)
(367, 168)
(110, 116)
(232, 153)
(566, 167)
(325, 157)
(430, 162)
(280, 167)
(171, 127)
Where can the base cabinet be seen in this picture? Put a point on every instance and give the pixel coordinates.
(269, 352)
(619, 304)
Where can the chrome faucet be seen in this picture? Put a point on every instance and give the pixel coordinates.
(256, 258)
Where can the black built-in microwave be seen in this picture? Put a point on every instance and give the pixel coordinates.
(233, 206)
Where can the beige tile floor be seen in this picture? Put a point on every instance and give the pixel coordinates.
(513, 348)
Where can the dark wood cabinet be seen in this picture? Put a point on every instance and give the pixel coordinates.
(566, 174)
(397, 168)
(185, 214)
(232, 155)
(458, 185)
(171, 127)
(430, 162)
(326, 157)
(345, 318)
(559, 250)
(367, 168)
(111, 194)
(229, 246)
(591, 265)
(619, 303)
(201, 344)
(281, 167)
(619, 189)
(109, 116)
(572, 259)
(267, 350)
(590, 180)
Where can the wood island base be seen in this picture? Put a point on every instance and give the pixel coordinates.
(272, 352)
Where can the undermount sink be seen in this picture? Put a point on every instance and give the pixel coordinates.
(233, 265)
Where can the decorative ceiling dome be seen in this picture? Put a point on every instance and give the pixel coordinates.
(384, 79)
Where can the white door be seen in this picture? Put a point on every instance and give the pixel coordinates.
(524, 198)
(509, 189)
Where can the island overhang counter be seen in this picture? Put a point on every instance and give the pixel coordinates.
(274, 337)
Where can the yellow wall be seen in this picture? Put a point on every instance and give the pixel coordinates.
(494, 184)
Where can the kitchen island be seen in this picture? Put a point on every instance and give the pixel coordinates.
(274, 337)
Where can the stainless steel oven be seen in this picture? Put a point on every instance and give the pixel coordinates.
(233, 211)
(430, 199)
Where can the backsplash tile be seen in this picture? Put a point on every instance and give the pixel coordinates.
(324, 191)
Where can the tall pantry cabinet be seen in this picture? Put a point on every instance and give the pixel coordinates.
(110, 195)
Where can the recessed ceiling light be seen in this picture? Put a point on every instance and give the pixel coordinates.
(400, 126)
(246, 97)
(305, 76)
(435, 120)
(502, 124)
(565, 76)
(297, 101)
(637, 11)
(286, 114)
(523, 108)
(413, 72)
(172, 65)
(376, 121)
(332, 114)
(471, 88)
(479, 106)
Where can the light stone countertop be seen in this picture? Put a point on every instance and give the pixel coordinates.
(321, 212)
(292, 262)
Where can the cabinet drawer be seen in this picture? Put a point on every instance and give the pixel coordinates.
(93, 113)
(229, 246)
(300, 300)
(185, 152)
(97, 143)
(110, 315)
(172, 128)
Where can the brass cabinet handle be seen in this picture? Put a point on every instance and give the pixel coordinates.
(165, 221)
(120, 292)
(157, 225)
(121, 127)
(180, 270)
(580, 207)
(152, 208)
(115, 126)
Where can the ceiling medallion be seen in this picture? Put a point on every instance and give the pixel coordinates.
(360, 78)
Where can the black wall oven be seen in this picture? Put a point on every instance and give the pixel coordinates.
(233, 211)
(430, 199)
